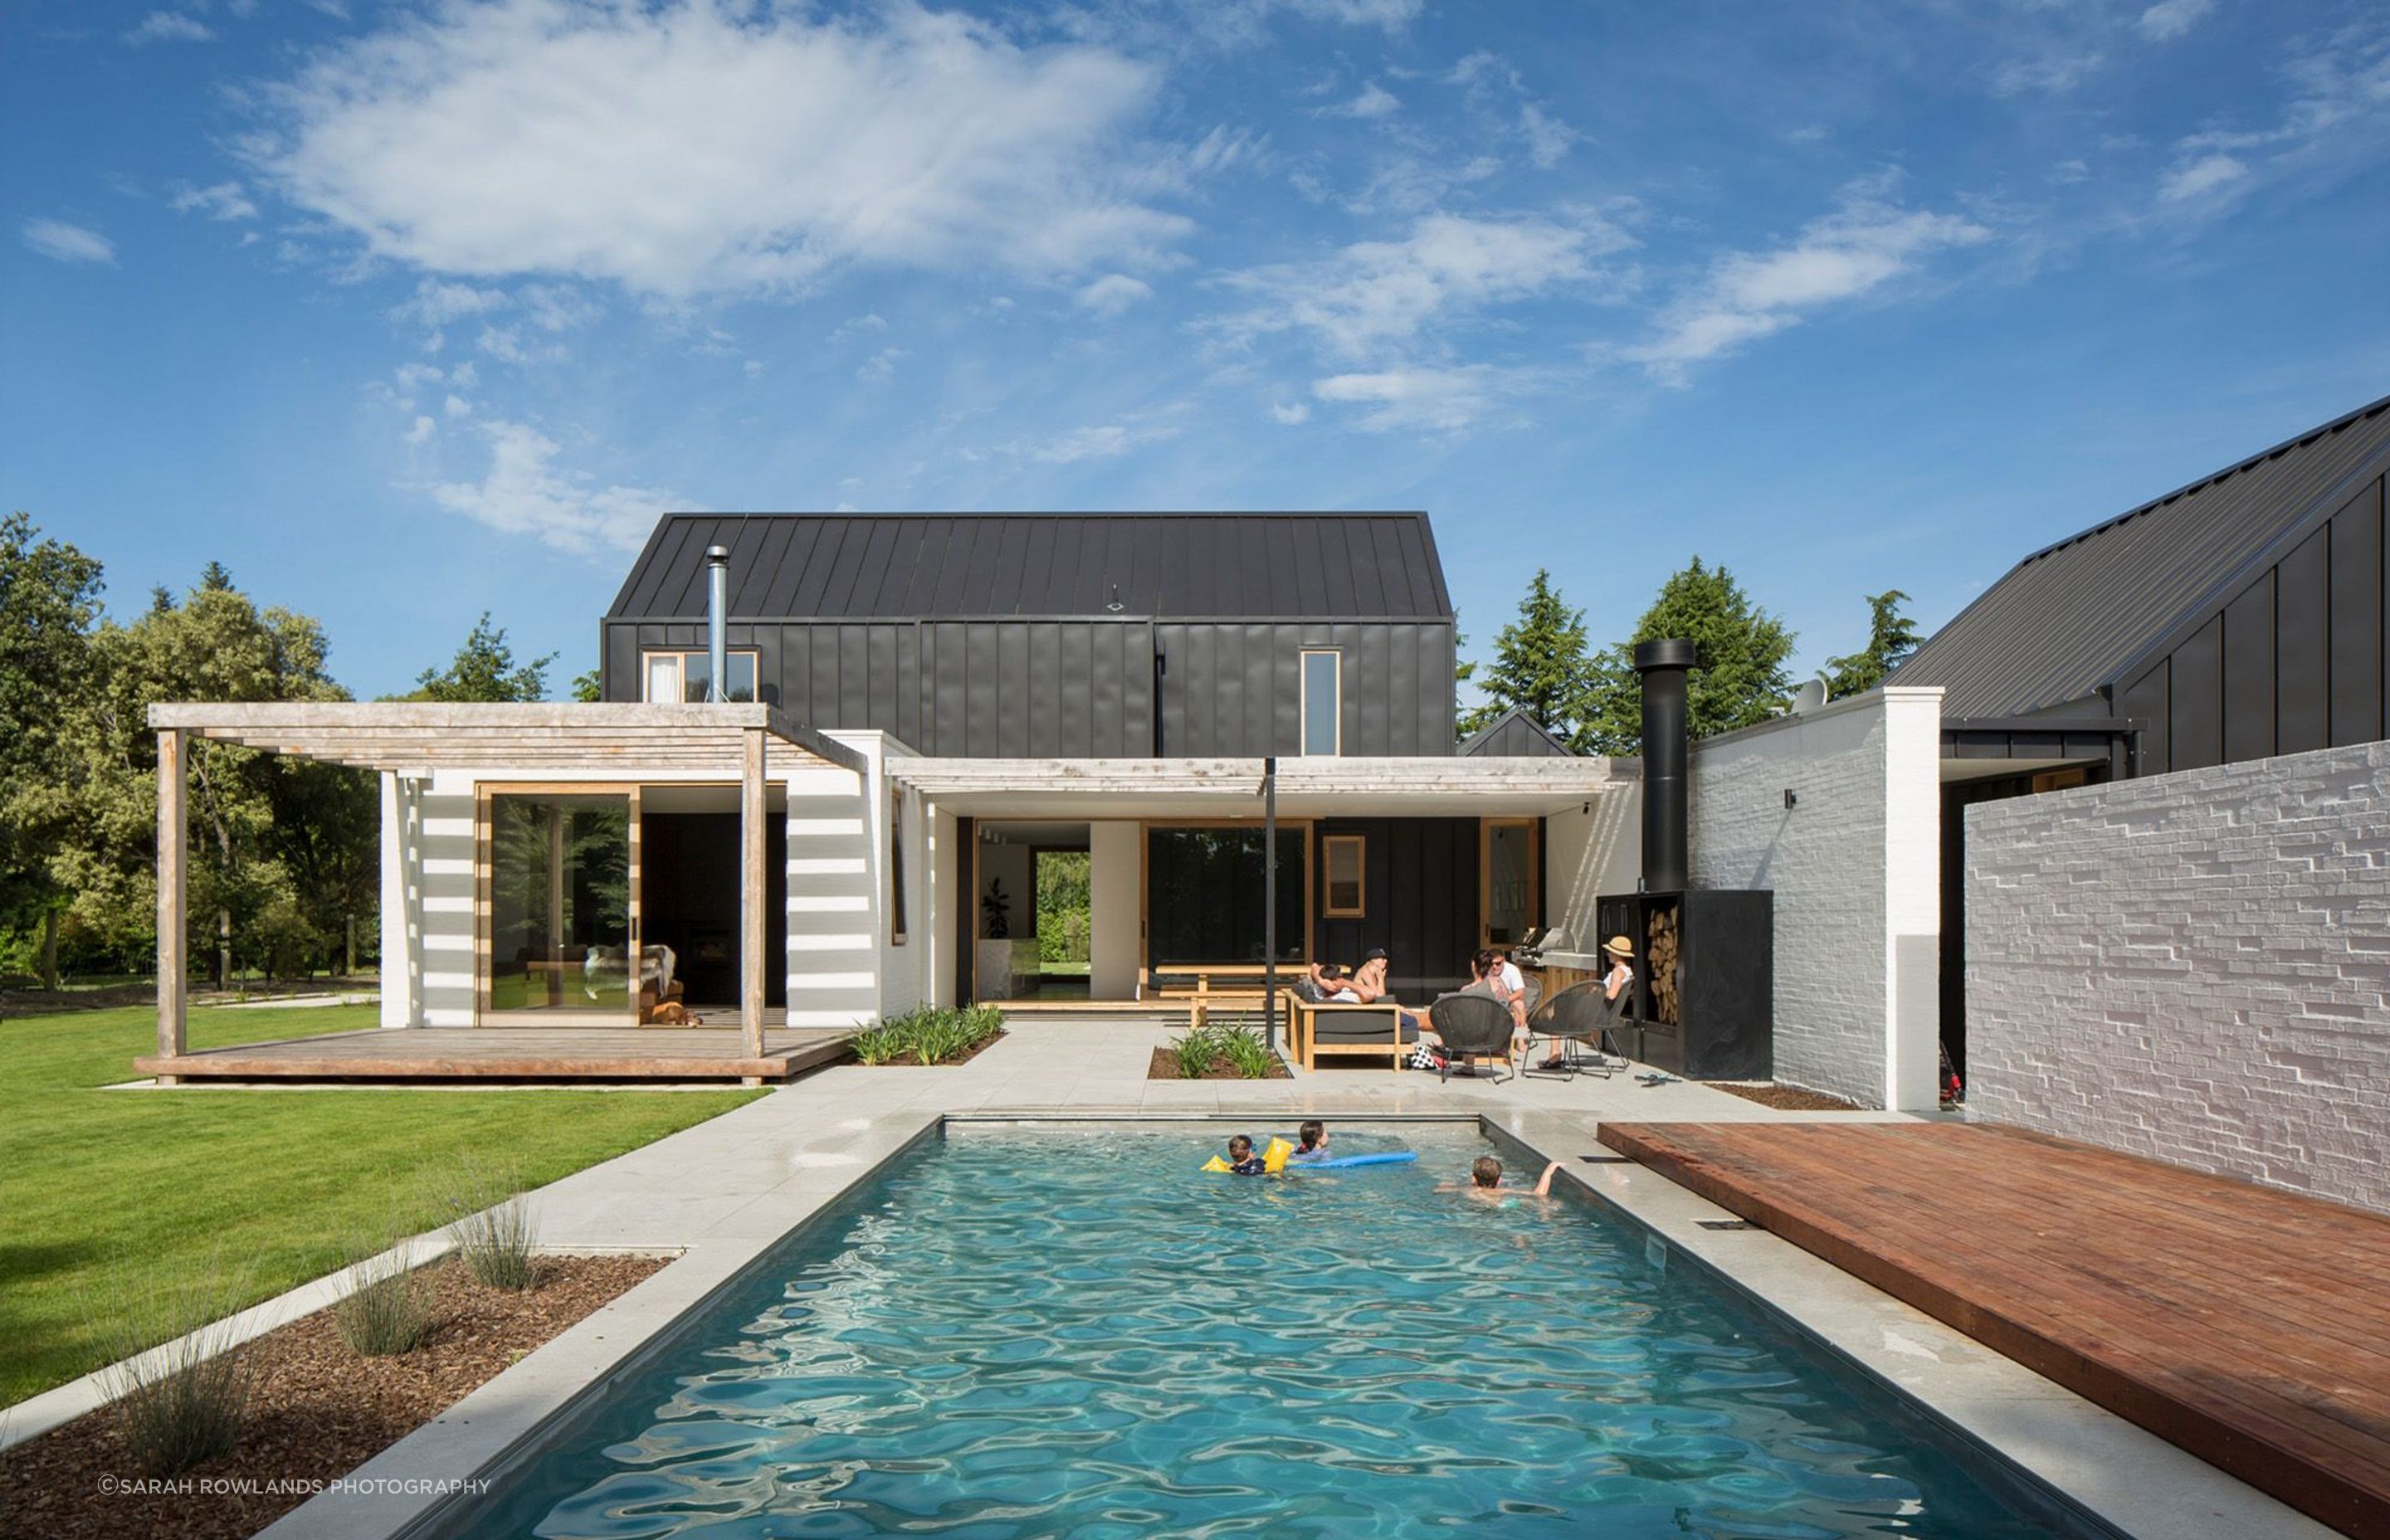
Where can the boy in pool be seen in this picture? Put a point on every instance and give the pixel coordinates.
(1314, 1135)
(1486, 1183)
(1241, 1159)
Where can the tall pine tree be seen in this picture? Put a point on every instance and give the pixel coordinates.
(1739, 674)
(485, 669)
(1541, 665)
(1892, 636)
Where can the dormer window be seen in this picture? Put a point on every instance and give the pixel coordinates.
(1323, 702)
(682, 676)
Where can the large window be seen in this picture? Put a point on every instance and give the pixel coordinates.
(1323, 702)
(558, 875)
(1511, 879)
(672, 676)
(1203, 895)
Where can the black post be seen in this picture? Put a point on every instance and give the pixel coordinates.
(1666, 750)
(1269, 902)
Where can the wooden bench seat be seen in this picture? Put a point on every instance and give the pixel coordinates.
(1304, 1017)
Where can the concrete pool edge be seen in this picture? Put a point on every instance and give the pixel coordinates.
(2112, 1472)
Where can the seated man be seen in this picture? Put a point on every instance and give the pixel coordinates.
(1369, 984)
(1330, 985)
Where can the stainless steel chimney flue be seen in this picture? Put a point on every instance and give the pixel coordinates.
(717, 628)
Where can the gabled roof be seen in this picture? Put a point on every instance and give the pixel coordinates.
(945, 565)
(1514, 735)
(2069, 618)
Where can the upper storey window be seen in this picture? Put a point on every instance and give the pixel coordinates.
(1323, 701)
(677, 676)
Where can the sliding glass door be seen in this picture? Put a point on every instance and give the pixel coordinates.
(558, 940)
(1203, 895)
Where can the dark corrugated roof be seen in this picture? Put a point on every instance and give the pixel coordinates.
(904, 566)
(2069, 618)
(1514, 735)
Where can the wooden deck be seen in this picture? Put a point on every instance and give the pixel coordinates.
(514, 1053)
(2250, 1327)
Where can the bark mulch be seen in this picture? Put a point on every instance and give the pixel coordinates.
(1790, 1098)
(318, 1410)
(1165, 1066)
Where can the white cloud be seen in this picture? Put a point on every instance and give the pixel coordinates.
(2055, 74)
(465, 375)
(168, 27)
(1106, 441)
(880, 366)
(1438, 399)
(422, 433)
(1389, 14)
(2198, 178)
(2170, 19)
(1375, 101)
(61, 241)
(525, 493)
(1113, 294)
(1375, 293)
(436, 304)
(1842, 257)
(1291, 414)
(458, 407)
(558, 137)
(754, 367)
(856, 325)
(1548, 137)
(558, 307)
(225, 200)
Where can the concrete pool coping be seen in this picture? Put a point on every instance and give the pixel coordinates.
(2114, 1473)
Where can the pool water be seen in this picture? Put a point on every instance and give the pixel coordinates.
(1017, 1334)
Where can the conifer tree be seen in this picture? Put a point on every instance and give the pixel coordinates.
(1541, 665)
(1892, 636)
(1738, 675)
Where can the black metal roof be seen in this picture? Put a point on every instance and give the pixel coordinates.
(1514, 735)
(2070, 618)
(815, 566)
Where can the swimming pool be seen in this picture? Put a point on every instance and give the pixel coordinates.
(1035, 1333)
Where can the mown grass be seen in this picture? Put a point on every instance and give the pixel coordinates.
(163, 1187)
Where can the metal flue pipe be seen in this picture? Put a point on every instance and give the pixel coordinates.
(1667, 749)
(717, 626)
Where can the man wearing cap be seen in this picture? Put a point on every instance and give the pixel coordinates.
(1370, 983)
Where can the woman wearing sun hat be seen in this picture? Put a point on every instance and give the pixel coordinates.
(1621, 952)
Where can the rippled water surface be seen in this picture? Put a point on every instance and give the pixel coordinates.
(1042, 1334)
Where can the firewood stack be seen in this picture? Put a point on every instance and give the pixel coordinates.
(1659, 955)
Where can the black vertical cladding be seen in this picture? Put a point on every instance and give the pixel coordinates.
(2249, 673)
(1420, 900)
(1666, 749)
(2303, 612)
(2357, 617)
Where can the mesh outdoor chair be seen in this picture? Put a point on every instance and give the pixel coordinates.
(1473, 1026)
(1578, 1017)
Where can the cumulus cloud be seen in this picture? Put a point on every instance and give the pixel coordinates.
(435, 304)
(2198, 178)
(1439, 400)
(1375, 101)
(1291, 414)
(1377, 293)
(1751, 294)
(2170, 19)
(422, 433)
(2053, 74)
(1113, 294)
(561, 138)
(225, 200)
(1108, 441)
(525, 492)
(61, 241)
(168, 27)
(880, 366)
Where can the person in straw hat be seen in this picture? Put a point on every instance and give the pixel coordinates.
(1620, 977)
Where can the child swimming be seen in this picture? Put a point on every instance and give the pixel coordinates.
(1486, 1183)
(1241, 1159)
(1314, 1136)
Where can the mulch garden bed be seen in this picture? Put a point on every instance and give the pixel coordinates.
(318, 1410)
(1165, 1066)
(1790, 1098)
(963, 1057)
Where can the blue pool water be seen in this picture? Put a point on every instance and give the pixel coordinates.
(1018, 1334)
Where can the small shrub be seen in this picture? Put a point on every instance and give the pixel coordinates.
(184, 1404)
(1194, 1049)
(1246, 1053)
(932, 1035)
(885, 1043)
(388, 1313)
(494, 1228)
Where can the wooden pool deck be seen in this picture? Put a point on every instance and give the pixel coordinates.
(2249, 1326)
(513, 1054)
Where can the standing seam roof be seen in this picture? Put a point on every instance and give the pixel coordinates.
(906, 566)
(2069, 618)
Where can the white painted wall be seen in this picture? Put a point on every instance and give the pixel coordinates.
(1115, 907)
(2193, 967)
(946, 866)
(1586, 856)
(838, 949)
(1855, 866)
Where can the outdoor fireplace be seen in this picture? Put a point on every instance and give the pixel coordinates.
(1704, 957)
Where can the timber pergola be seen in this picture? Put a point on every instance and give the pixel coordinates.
(413, 740)
(1323, 786)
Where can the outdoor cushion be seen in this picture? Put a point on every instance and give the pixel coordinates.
(1358, 1026)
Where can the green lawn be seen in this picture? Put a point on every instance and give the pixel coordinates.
(265, 1186)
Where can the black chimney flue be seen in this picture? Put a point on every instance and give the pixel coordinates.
(1666, 750)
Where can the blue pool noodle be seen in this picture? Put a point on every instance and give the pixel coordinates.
(1383, 1158)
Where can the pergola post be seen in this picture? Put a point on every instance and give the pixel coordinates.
(753, 888)
(173, 833)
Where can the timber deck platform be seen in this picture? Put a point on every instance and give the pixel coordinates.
(513, 1053)
(2249, 1326)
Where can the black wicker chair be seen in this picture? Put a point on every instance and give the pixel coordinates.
(1578, 1017)
(1473, 1026)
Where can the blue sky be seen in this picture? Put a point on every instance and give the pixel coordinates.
(406, 312)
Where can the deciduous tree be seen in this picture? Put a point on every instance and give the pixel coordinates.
(49, 601)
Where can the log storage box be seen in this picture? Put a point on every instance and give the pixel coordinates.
(1704, 981)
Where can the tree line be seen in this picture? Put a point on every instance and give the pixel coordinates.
(284, 854)
(1545, 664)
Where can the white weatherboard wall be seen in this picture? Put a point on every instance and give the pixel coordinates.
(2194, 966)
(1855, 868)
(838, 949)
(1115, 878)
